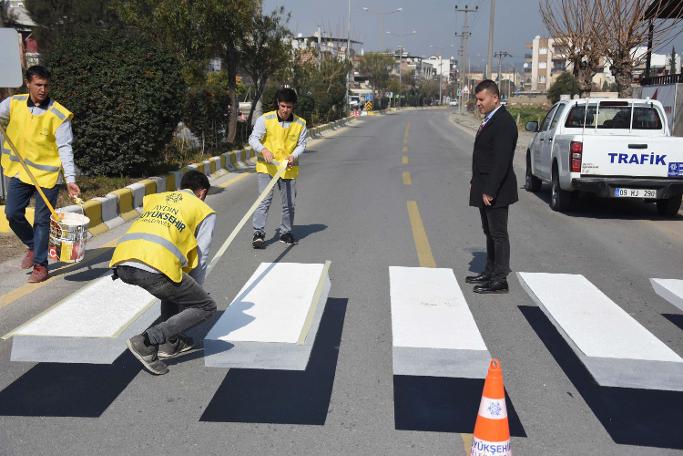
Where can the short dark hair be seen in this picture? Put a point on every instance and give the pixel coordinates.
(488, 85)
(286, 94)
(37, 70)
(195, 180)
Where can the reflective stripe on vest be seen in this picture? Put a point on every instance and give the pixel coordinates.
(14, 158)
(157, 240)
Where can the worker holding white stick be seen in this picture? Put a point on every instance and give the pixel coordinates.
(39, 134)
(280, 136)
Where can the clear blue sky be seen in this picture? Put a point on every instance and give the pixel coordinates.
(435, 21)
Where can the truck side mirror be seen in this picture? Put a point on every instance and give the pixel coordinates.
(532, 126)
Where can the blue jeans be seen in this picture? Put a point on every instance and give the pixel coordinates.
(287, 189)
(183, 305)
(35, 237)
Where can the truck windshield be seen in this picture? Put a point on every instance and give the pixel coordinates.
(614, 115)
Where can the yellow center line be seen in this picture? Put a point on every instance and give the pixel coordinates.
(407, 180)
(28, 288)
(404, 160)
(424, 250)
(234, 180)
(405, 149)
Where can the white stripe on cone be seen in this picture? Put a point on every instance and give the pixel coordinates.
(493, 409)
(483, 448)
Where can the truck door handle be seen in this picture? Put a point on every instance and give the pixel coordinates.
(541, 140)
(637, 146)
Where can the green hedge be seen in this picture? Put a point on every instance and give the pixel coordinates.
(126, 96)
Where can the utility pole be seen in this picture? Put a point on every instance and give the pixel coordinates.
(464, 38)
(500, 55)
(489, 61)
(349, 75)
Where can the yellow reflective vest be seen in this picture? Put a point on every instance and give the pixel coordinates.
(281, 142)
(34, 138)
(164, 235)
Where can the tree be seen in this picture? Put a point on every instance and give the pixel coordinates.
(198, 30)
(265, 51)
(124, 93)
(569, 22)
(56, 18)
(565, 84)
(625, 25)
(206, 109)
(377, 67)
(672, 61)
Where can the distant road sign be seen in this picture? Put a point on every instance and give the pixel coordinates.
(368, 106)
(10, 70)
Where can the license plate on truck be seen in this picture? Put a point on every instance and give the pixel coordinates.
(634, 193)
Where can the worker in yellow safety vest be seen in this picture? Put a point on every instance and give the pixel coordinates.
(279, 136)
(166, 252)
(40, 129)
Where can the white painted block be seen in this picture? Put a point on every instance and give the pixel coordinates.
(160, 183)
(272, 322)
(434, 332)
(669, 289)
(614, 347)
(90, 326)
(138, 190)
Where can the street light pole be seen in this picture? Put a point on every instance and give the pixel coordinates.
(380, 15)
(349, 74)
(400, 61)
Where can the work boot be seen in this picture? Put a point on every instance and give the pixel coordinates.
(39, 274)
(27, 261)
(146, 354)
(175, 347)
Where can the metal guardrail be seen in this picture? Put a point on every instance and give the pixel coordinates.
(661, 80)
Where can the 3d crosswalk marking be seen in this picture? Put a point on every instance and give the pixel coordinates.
(614, 347)
(669, 289)
(90, 326)
(434, 332)
(272, 322)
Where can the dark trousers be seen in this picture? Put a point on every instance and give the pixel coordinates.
(494, 221)
(183, 305)
(35, 237)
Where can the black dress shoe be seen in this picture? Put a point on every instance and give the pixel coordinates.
(494, 286)
(479, 278)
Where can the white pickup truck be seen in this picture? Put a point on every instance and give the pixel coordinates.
(614, 148)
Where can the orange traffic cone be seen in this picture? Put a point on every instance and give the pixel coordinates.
(491, 431)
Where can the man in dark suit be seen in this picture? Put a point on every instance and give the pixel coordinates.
(493, 186)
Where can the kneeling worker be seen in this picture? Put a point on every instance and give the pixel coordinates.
(166, 252)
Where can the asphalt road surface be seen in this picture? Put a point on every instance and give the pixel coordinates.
(353, 209)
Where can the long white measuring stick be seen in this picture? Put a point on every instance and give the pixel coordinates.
(282, 167)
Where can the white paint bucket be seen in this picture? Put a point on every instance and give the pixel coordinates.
(67, 237)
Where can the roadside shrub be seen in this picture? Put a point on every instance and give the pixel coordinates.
(126, 96)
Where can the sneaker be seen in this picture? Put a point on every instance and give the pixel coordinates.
(39, 274)
(173, 348)
(259, 240)
(146, 354)
(27, 261)
(288, 239)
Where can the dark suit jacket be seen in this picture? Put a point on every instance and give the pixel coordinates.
(492, 173)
